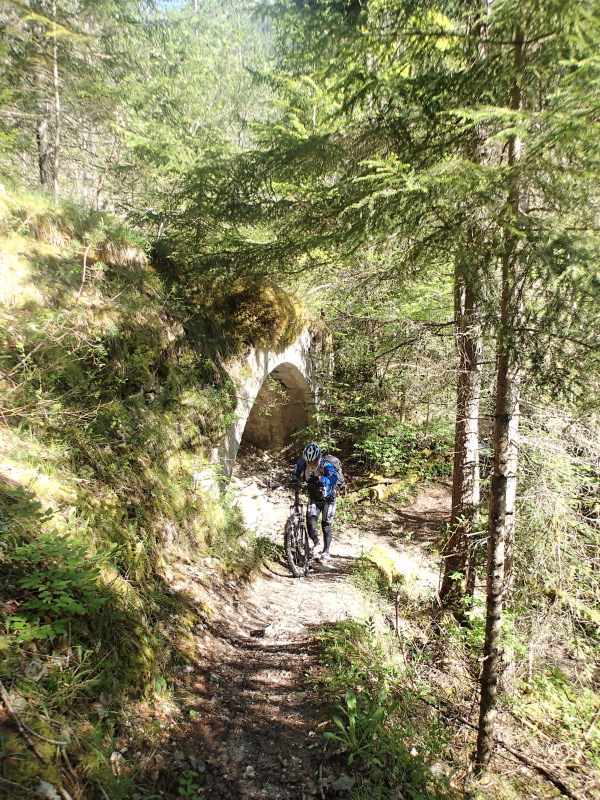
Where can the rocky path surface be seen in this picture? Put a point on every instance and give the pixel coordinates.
(255, 729)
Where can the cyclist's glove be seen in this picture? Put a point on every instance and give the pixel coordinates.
(294, 483)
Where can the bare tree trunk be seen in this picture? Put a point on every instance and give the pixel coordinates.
(465, 484)
(44, 152)
(503, 491)
(57, 109)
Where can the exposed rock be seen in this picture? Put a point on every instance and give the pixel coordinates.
(343, 784)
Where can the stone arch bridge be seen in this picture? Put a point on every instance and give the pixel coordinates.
(278, 394)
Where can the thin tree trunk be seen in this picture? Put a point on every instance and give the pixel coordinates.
(107, 166)
(43, 128)
(503, 491)
(57, 109)
(465, 484)
(44, 153)
(459, 568)
(501, 527)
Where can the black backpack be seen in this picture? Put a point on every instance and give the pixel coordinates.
(337, 465)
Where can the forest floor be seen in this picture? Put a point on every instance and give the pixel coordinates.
(252, 723)
(242, 715)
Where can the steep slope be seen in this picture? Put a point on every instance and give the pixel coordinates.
(114, 393)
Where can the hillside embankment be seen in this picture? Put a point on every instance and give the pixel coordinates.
(115, 390)
(152, 641)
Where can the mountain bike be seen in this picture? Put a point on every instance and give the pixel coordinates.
(297, 545)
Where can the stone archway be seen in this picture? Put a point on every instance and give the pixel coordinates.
(281, 383)
(283, 406)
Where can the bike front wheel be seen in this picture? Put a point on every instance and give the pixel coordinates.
(297, 547)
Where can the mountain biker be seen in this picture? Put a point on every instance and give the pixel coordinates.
(321, 478)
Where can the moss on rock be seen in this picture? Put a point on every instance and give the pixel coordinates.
(387, 564)
(251, 313)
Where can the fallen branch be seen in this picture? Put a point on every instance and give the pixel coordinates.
(69, 766)
(106, 797)
(44, 738)
(547, 773)
(12, 713)
(552, 776)
(588, 733)
(381, 491)
(84, 270)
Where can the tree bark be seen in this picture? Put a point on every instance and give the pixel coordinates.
(501, 526)
(43, 126)
(469, 348)
(57, 109)
(44, 152)
(465, 483)
(500, 532)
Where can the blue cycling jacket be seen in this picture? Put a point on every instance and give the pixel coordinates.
(325, 474)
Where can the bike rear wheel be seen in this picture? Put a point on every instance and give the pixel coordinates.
(297, 547)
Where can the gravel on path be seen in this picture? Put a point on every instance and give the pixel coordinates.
(255, 729)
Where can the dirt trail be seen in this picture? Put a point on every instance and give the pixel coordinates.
(255, 728)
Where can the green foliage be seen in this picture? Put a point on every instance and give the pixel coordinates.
(561, 708)
(187, 784)
(558, 526)
(52, 577)
(381, 722)
(61, 580)
(365, 717)
(388, 444)
(391, 399)
(473, 633)
(152, 85)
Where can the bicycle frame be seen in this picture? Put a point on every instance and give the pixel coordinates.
(296, 542)
(298, 507)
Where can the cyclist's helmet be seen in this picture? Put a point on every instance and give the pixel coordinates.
(312, 452)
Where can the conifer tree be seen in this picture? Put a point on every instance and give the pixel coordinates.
(60, 62)
(393, 170)
(547, 54)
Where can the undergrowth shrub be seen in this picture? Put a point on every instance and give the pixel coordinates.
(56, 593)
(377, 718)
(60, 579)
(48, 578)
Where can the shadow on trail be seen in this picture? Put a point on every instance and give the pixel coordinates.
(254, 723)
(423, 526)
(253, 727)
(420, 533)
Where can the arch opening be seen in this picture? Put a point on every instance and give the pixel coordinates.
(283, 406)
